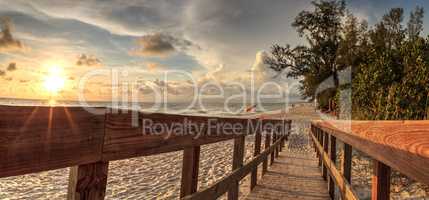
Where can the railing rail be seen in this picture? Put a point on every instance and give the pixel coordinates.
(222, 186)
(35, 139)
(402, 145)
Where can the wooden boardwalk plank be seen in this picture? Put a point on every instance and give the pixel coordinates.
(292, 176)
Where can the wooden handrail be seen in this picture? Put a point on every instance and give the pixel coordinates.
(35, 139)
(340, 181)
(402, 145)
(223, 185)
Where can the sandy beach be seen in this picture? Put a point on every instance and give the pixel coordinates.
(158, 176)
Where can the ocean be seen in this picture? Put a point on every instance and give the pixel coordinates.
(213, 108)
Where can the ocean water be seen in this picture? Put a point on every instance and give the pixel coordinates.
(214, 108)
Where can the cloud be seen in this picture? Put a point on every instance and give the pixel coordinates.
(260, 69)
(88, 60)
(175, 88)
(160, 45)
(231, 32)
(11, 67)
(7, 41)
(258, 72)
(256, 76)
(135, 17)
(153, 66)
(226, 32)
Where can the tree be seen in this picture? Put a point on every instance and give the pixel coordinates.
(415, 25)
(389, 61)
(316, 61)
(354, 43)
(393, 83)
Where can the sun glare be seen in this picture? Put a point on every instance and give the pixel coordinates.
(54, 80)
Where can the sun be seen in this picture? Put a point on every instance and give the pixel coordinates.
(54, 84)
(54, 80)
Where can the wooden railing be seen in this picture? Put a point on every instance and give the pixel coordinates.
(35, 139)
(401, 145)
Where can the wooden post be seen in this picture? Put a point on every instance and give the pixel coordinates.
(88, 182)
(278, 147)
(272, 153)
(283, 133)
(237, 162)
(380, 181)
(313, 132)
(325, 137)
(256, 152)
(347, 163)
(189, 181)
(318, 134)
(267, 145)
(274, 141)
(333, 156)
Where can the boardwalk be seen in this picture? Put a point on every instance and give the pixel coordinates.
(294, 175)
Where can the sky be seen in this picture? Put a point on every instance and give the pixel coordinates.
(52, 46)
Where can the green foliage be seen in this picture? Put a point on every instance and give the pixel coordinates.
(393, 83)
(389, 62)
(317, 61)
